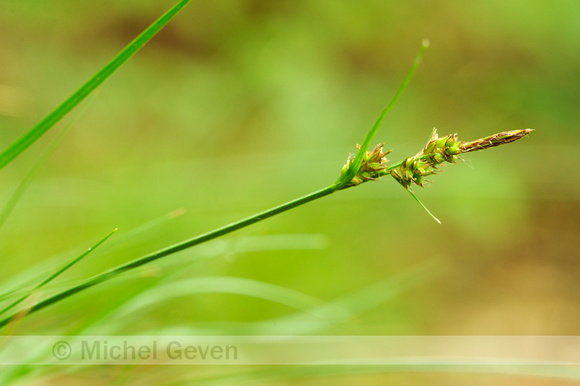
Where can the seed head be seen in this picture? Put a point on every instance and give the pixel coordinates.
(374, 162)
(445, 149)
(436, 151)
(413, 170)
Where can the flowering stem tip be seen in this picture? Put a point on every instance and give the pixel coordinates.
(413, 170)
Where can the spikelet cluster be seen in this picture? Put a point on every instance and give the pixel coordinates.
(373, 165)
(413, 170)
(437, 151)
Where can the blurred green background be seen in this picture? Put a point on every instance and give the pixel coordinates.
(238, 106)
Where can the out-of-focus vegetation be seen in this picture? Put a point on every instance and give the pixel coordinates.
(237, 106)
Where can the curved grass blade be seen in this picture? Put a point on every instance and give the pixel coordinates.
(57, 114)
(100, 324)
(345, 179)
(137, 301)
(57, 273)
(218, 284)
(320, 318)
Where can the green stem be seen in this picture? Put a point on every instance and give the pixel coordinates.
(174, 249)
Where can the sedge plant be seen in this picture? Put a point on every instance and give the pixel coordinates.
(364, 166)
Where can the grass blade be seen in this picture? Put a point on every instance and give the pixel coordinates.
(217, 284)
(57, 273)
(57, 114)
(21, 282)
(319, 318)
(345, 179)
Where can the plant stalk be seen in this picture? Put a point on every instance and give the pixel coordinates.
(107, 275)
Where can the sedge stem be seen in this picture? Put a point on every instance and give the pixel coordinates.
(107, 275)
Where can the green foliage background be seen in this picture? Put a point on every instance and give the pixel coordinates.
(237, 106)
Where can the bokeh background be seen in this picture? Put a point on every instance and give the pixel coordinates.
(238, 106)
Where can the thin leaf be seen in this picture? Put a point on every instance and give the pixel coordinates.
(57, 114)
(20, 282)
(58, 273)
(370, 135)
(424, 207)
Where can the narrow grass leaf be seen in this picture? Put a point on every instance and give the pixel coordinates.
(57, 273)
(20, 282)
(347, 177)
(57, 114)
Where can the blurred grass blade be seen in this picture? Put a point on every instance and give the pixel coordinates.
(100, 323)
(370, 135)
(23, 280)
(56, 115)
(319, 318)
(57, 273)
(340, 310)
(144, 228)
(218, 284)
(27, 180)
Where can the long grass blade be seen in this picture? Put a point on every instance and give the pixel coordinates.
(370, 135)
(57, 114)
